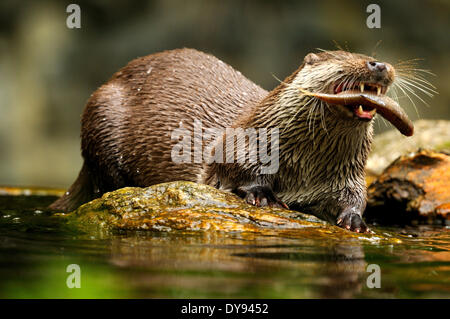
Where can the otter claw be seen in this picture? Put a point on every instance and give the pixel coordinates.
(352, 221)
(261, 196)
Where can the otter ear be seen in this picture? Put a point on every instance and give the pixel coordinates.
(311, 58)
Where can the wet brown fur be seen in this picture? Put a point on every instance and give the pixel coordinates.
(127, 122)
(127, 125)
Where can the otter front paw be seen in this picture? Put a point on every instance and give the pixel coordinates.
(261, 196)
(351, 220)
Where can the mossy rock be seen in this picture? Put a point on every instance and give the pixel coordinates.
(183, 206)
(191, 207)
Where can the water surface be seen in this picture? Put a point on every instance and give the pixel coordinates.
(36, 248)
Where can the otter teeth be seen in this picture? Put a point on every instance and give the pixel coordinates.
(360, 110)
(362, 87)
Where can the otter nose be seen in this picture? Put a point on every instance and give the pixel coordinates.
(378, 67)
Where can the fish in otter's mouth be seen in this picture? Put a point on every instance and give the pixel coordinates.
(365, 100)
(364, 112)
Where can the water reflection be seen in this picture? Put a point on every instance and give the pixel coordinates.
(210, 262)
(35, 249)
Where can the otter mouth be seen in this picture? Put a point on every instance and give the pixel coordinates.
(362, 112)
(364, 100)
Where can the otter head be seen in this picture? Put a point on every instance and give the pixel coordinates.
(354, 84)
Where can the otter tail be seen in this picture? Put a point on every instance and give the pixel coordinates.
(81, 191)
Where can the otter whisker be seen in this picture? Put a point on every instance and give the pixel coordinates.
(407, 70)
(416, 74)
(315, 116)
(346, 84)
(312, 119)
(384, 121)
(394, 93)
(407, 95)
(410, 69)
(322, 117)
(406, 86)
(352, 83)
(425, 90)
(402, 64)
(309, 118)
(282, 82)
(424, 84)
(296, 114)
(374, 54)
(337, 45)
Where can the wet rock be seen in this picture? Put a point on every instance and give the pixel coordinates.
(191, 207)
(184, 206)
(414, 188)
(430, 134)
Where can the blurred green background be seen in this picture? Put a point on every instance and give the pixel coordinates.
(47, 71)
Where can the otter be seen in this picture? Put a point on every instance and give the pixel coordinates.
(323, 111)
